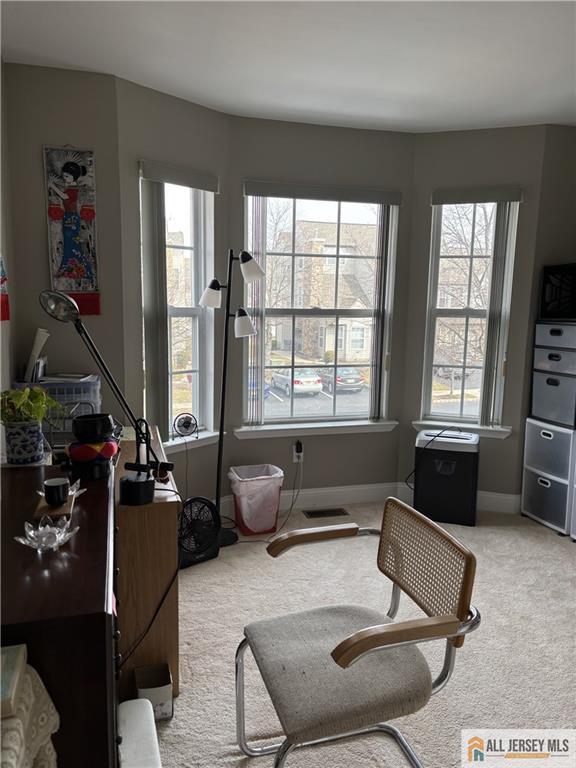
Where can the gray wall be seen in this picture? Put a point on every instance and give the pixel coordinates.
(124, 122)
(6, 357)
(266, 149)
(475, 158)
(58, 107)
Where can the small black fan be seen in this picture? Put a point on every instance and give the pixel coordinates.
(199, 532)
(185, 425)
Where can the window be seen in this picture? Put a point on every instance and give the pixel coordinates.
(321, 314)
(469, 296)
(177, 256)
(357, 339)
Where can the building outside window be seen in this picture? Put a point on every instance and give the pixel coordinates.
(322, 311)
(177, 236)
(472, 254)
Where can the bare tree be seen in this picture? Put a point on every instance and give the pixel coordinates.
(464, 281)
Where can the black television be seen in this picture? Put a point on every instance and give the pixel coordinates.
(558, 293)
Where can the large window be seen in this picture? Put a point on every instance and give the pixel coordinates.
(177, 247)
(321, 312)
(469, 295)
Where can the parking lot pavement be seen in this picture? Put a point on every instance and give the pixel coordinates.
(277, 405)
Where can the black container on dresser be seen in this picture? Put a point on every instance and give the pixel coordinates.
(548, 491)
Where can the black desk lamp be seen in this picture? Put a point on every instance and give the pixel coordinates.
(134, 489)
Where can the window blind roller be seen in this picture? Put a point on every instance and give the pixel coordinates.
(256, 188)
(176, 174)
(477, 195)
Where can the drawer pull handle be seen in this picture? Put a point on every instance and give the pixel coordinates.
(553, 382)
(548, 435)
(554, 357)
(556, 331)
(544, 483)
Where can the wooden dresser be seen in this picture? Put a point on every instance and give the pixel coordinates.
(147, 559)
(60, 604)
(63, 604)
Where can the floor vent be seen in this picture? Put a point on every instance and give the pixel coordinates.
(331, 512)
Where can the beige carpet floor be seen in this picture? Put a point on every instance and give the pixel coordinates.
(518, 670)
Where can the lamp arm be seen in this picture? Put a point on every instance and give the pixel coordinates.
(142, 438)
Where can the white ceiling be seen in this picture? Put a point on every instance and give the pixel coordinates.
(416, 66)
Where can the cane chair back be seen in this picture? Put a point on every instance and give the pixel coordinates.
(426, 562)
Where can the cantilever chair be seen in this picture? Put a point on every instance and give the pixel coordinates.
(345, 670)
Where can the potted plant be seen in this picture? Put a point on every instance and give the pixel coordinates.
(22, 412)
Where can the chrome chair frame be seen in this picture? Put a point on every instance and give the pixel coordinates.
(282, 749)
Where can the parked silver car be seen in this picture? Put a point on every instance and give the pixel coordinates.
(305, 381)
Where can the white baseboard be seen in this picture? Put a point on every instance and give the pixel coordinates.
(335, 496)
(486, 501)
(341, 495)
(509, 503)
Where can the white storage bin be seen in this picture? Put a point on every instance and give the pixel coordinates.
(548, 448)
(561, 335)
(136, 728)
(546, 499)
(256, 490)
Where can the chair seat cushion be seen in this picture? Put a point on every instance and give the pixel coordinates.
(312, 695)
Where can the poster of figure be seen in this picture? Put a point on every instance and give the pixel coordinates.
(4, 302)
(71, 209)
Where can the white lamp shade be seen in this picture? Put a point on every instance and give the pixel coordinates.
(212, 296)
(243, 325)
(250, 268)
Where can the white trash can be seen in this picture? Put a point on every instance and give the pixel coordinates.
(256, 490)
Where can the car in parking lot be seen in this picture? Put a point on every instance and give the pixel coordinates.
(254, 389)
(347, 379)
(305, 381)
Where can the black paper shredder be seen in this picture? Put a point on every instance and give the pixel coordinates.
(446, 476)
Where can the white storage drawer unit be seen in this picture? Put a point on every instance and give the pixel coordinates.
(547, 500)
(549, 482)
(549, 474)
(548, 449)
(554, 398)
(555, 360)
(562, 335)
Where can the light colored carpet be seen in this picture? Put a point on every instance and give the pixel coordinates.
(517, 670)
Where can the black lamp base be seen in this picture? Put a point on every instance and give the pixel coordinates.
(227, 537)
(136, 490)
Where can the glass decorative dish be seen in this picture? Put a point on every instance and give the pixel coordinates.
(47, 535)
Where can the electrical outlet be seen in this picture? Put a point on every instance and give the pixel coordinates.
(297, 452)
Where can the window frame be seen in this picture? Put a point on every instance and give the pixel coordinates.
(381, 319)
(158, 314)
(497, 316)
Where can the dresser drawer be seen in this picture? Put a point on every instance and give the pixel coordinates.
(556, 335)
(554, 398)
(547, 448)
(545, 499)
(555, 360)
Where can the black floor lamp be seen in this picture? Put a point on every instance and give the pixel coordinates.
(243, 326)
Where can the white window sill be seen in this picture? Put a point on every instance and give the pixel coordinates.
(185, 443)
(498, 433)
(314, 428)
